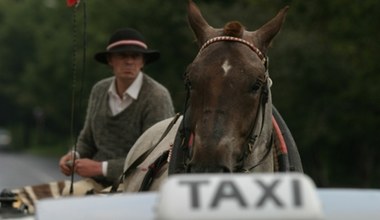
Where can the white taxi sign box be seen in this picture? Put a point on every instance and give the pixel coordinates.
(239, 196)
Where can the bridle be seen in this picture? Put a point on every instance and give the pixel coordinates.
(260, 115)
(262, 57)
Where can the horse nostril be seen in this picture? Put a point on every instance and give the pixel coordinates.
(226, 170)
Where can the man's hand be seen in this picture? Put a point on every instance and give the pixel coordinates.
(65, 165)
(88, 168)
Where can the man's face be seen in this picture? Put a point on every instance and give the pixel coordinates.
(126, 65)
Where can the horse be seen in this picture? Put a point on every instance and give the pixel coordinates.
(229, 124)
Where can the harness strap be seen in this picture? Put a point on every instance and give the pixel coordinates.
(282, 147)
(235, 39)
(292, 157)
(141, 158)
(154, 168)
(277, 134)
(257, 132)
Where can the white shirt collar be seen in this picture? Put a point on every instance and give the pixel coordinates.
(132, 91)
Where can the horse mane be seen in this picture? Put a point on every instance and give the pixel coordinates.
(233, 29)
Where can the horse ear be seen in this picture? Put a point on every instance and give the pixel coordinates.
(198, 24)
(265, 34)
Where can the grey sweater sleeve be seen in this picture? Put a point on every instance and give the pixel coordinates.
(86, 146)
(85, 143)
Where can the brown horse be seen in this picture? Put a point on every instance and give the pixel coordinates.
(228, 124)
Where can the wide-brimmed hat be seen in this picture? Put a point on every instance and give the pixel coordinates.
(128, 40)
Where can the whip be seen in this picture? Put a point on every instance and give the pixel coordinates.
(74, 4)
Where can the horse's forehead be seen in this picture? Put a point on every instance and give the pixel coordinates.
(228, 62)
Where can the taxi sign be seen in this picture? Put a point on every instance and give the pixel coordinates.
(239, 196)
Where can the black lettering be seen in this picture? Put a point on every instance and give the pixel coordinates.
(297, 193)
(194, 191)
(227, 190)
(268, 193)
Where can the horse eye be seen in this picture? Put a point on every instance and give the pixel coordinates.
(188, 84)
(256, 86)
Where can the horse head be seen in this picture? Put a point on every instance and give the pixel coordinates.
(227, 122)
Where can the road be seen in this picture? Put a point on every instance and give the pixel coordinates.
(17, 170)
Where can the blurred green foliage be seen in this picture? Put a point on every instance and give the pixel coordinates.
(323, 63)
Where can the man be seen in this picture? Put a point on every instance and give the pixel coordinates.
(120, 109)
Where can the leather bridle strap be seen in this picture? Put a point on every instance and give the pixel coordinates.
(257, 129)
(239, 40)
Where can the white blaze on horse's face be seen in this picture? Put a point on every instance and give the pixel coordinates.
(226, 67)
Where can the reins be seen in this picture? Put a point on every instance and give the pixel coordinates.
(256, 131)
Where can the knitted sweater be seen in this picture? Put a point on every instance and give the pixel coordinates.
(105, 137)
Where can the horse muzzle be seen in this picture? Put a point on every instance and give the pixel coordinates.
(196, 168)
